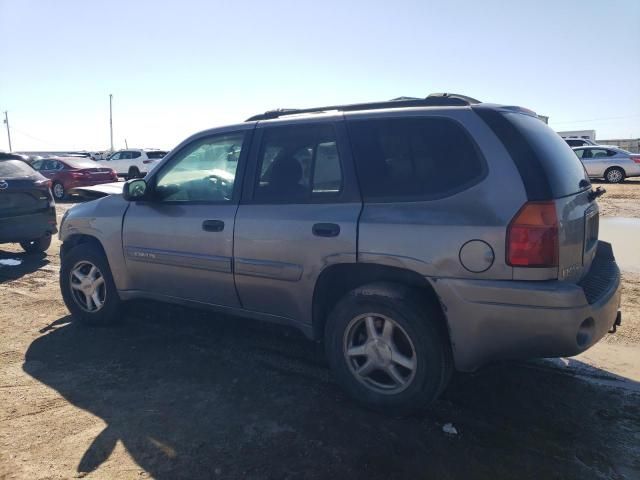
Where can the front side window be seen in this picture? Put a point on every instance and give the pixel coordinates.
(579, 153)
(298, 164)
(204, 171)
(37, 165)
(116, 156)
(413, 158)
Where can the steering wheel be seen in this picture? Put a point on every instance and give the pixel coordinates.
(222, 184)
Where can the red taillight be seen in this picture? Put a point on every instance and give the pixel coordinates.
(532, 236)
(635, 158)
(114, 174)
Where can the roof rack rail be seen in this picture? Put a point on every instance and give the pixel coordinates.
(433, 100)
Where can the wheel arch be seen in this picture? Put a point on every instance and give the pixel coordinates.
(337, 280)
(79, 238)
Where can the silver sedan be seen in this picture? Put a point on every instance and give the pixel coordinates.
(611, 163)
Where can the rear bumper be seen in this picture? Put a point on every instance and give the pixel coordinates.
(491, 320)
(28, 227)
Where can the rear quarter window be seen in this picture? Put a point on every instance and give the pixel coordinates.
(411, 159)
(16, 168)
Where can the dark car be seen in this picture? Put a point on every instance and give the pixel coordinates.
(70, 172)
(27, 209)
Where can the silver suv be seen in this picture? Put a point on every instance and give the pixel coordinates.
(413, 237)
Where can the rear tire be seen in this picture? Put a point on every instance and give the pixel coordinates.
(134, 172)
(58, 191)
(614, 175)
(90, 301)
(38, 245)
(407, 372)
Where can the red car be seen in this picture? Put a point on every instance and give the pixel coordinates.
(70, 172)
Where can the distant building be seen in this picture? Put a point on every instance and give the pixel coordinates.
(585, 134)
(630, 144)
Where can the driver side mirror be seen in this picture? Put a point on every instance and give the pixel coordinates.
(135, 189)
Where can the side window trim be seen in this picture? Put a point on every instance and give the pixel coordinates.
(240, 170)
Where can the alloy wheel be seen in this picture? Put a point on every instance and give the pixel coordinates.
(379, 353)
(58, 190)
(87, 286)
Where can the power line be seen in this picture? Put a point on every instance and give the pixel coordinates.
(48, 143)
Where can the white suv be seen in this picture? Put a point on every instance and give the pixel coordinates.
(133, 162)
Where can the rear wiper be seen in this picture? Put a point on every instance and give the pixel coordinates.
(598, 192)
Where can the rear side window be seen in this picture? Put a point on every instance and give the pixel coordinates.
(563, 170)
(414, 158)
(15, 168)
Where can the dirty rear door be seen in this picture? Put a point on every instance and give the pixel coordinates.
(299, 214)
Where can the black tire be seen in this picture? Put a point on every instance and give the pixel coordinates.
(58, 191)
(111, 310)
(38, 245)
(614, 175)
(134, 172)
(421, 321)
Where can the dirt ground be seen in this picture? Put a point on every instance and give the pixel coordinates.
(621, 200)
(174, 393)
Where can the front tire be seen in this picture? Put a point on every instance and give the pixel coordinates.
(87, 286)
(614, 175)
(388, 349)
(38, 245)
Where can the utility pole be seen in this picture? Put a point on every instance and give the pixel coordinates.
(111, 120)
(126, 145)
(6, 120)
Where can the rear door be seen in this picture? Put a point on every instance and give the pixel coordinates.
(299, 214)
(590, 164)
(180, 243)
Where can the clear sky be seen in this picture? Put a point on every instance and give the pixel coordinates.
(177, 67)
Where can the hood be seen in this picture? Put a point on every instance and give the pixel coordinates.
(97, 191)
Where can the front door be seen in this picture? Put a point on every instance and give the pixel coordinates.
(180, 243)
(299, 214)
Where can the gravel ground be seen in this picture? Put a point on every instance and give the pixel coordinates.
(175, 393)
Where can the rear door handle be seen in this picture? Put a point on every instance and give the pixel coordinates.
(213, 225)
(326, 230)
